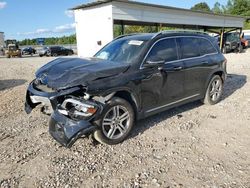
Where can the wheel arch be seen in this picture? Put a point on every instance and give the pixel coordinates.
(129, 97)
(220, 73)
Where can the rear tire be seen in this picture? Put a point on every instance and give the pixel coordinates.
(214, 91)
(240, 49)
(115, 123)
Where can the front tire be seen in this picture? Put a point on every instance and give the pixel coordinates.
(240, 49)
(214, 91)
(115, 123)
(224, 50)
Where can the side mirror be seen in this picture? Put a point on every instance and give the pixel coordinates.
(153, 63)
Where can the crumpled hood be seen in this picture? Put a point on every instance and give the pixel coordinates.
(62, 73)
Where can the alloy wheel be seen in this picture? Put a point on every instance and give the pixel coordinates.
(215, 90)
(116, 122)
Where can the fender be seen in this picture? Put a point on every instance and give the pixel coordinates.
(214, 72)
(107, 95)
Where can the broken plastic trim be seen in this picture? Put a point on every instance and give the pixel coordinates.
(66, 131)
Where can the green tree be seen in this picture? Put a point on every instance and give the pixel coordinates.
(134, 29)
(51, 41)
(218, 8)
(240, 8)
(203, 6)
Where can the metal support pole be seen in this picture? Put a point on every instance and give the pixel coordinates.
(122, 28)
(160, 27)
(221, 39)
(240, 45)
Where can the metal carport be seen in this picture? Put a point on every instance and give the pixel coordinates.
(95, 21)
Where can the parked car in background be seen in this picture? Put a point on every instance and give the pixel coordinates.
(28, 51)
(244, 43)
(231, 42)
(247, 38)
(55, 51)
(44, 51)
(131, 78)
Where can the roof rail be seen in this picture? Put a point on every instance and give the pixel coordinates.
(125, 35)
(180, 31)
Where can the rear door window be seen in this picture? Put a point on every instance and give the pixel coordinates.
(206, 47)
(164, 50)
(189, 47)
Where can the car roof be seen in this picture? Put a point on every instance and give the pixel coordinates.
(148, 36)
(182, 33)
(137, 36)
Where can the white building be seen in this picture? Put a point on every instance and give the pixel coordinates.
(1, 40)
(95, 20)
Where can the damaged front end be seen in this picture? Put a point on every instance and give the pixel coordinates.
(72, 111)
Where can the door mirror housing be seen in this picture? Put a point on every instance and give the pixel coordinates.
(150, 63)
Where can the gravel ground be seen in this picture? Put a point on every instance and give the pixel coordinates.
(193, 145)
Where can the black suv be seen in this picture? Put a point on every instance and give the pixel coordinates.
(231, 42)
(132, 77)
(55, 51)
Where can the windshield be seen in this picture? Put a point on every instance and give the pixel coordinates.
(232, 37)
(121, 50)
(12, 48)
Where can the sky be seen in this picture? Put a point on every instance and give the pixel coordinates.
(47, 18)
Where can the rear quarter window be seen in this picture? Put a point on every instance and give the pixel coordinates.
(206, 47)
(189, 47)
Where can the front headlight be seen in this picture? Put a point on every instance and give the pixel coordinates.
(77, 108)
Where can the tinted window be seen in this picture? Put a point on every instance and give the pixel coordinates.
(189, 47)
(55, 47)
(206, 47)
(164, 50)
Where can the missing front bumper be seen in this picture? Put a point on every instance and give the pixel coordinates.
(35, 97)
(67, 131)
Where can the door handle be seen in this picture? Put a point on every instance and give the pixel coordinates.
(204, 62)
(170, 69)
(178, 68)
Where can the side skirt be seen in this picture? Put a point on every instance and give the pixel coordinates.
(168, 106)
